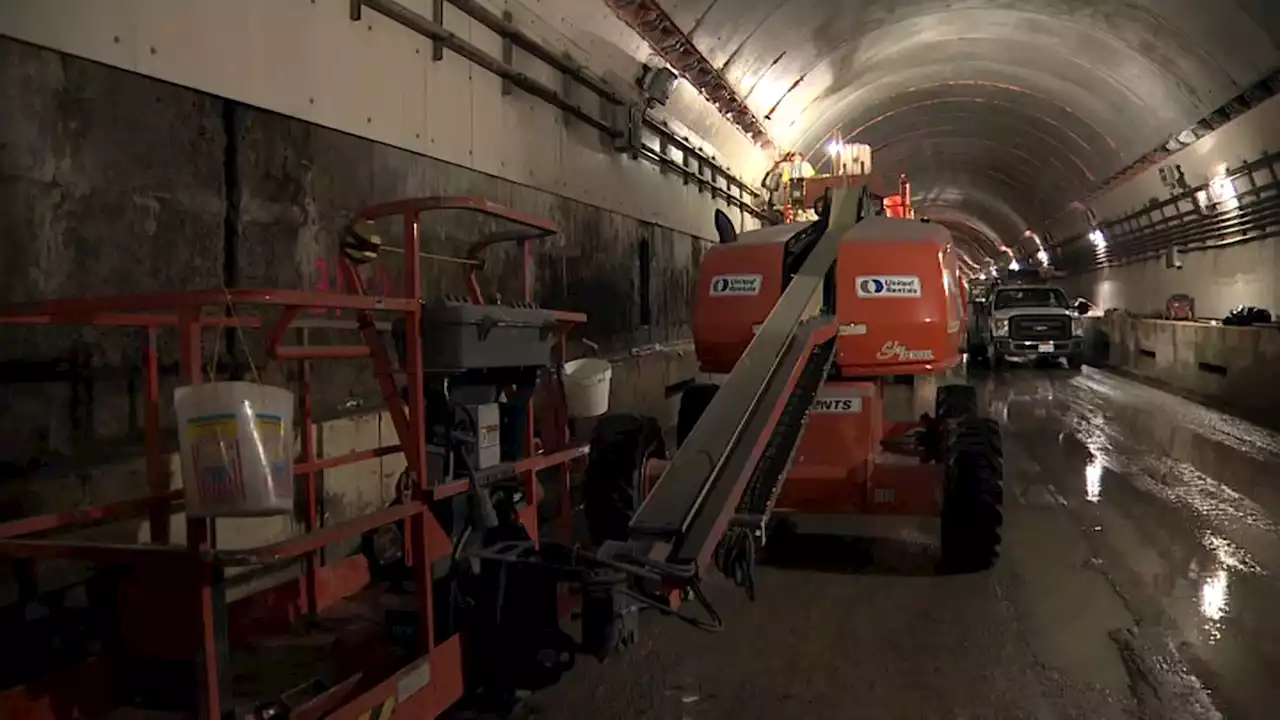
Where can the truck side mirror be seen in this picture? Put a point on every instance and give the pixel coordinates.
(725, 230)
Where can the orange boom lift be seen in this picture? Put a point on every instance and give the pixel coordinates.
(461, 583)
(894, 296)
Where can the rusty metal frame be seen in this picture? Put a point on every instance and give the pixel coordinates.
(1180, 222)
(199, 563)
(662, 33)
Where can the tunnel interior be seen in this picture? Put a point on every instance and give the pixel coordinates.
(1003, 114)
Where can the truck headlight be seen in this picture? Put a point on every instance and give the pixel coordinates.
(1000, 327)
(1077, 327)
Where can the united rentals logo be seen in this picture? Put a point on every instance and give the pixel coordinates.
(894, 350)
(735, 285)
(879, 286)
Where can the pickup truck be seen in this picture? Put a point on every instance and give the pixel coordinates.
(1027, 321)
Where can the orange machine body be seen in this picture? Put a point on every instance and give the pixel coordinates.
(898, 299)
(738, 285)
(900, 306)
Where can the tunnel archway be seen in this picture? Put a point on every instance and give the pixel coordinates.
(1002, 114)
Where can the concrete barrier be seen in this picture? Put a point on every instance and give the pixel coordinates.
(1236, 366)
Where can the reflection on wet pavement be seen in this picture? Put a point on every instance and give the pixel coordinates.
(1093, 480)
(1140, 578)
(1184, 507)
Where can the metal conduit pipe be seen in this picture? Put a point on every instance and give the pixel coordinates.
(445, 39)
(653, 24)
(1180, 222)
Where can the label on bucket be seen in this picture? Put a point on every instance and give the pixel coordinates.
(218, 463)
(215, 457)
(735, 285)
(275, 447)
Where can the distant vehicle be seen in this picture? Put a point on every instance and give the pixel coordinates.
(1027, 321)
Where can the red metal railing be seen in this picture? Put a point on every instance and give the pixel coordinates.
(197, 567)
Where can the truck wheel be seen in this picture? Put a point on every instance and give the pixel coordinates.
(1075, 362)
(956, 401)
(973, 497)
(693, 402)
(613, 487)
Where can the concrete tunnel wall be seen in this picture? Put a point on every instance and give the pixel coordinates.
(114, 182)
(1244, 273)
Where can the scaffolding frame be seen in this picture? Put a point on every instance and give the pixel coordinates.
(190, 579)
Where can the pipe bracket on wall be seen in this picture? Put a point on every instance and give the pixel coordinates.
(621, 122)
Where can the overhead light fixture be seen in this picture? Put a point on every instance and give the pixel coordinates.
(1043, 256)
(1013, 264)
(1099, 240)
(1222, 188)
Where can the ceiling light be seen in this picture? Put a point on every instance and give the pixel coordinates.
(1099, 240)
(1013, 264)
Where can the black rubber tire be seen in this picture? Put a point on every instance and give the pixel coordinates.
(1075, 362)
(693, 402)
(973, 498)
(978, 353)
(956, 401)
(613, 488)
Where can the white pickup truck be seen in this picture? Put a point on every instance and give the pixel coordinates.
(1027, 321)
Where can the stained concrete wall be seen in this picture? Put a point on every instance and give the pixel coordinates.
(113, 182)
(1220, 278)
(377, 80)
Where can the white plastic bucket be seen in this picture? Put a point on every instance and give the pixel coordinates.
(236, 445)
(586, 386)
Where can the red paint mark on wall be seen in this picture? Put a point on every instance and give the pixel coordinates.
(330, 278)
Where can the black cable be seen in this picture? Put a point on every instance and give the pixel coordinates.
(735, 557)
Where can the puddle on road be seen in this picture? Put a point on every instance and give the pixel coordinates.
(1200, 548)
(1093, 480)
(1149, 404)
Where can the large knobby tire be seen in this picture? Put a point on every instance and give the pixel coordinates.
(614, 485)
(954, 402)
(973, 497)
(693, 402)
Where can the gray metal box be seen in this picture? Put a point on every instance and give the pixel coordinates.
(483, 421)
(463, 336)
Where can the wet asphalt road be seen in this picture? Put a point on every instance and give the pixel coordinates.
(1140, 578)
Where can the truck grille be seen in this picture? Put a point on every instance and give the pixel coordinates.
(1040, 327)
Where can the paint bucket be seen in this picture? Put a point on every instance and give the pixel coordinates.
(236, 445)
(586, 386)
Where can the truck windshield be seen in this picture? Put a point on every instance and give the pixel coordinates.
(1030, 297)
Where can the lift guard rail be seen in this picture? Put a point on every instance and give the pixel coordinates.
(685, 515)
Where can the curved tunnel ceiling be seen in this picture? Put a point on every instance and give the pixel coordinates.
(1001, 112)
